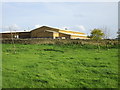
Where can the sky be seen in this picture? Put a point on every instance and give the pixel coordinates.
(75, 16)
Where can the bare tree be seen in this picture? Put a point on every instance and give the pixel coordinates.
(107, 32)
(12, 37)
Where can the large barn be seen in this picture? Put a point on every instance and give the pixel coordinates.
(46, 32)
(13, 34)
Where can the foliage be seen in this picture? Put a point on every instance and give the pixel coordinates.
(96, 34)
(61, 41)
(59, 66)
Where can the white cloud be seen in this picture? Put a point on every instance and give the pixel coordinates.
(81, 27)
(60, 0)
(3, 27)
(11, 27)
(14, 27)
(37, 26)
(79, 15)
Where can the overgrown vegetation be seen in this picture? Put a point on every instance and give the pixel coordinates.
(61, 41)
(60, 66)
(96, 34)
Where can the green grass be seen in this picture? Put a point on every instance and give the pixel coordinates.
(59, 66)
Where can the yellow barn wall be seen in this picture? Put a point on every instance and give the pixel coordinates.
(64, 35)
(55, 35)
(71, 32)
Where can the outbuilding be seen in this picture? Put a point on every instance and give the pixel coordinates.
(45, 32)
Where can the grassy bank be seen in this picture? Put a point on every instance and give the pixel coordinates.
(59, 66)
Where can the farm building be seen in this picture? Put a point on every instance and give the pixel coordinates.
(14, 34)
(46, 32)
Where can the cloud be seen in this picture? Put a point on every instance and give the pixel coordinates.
(78, 15)
(81, 27)
(11, 27)
(14, 27)
(37, 26)
(3, 27)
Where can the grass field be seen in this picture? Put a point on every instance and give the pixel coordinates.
(59, 66)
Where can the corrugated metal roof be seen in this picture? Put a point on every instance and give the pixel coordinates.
(69, 32)
(50, 28)
(13, 31)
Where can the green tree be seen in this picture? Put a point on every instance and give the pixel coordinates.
(96, 34)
